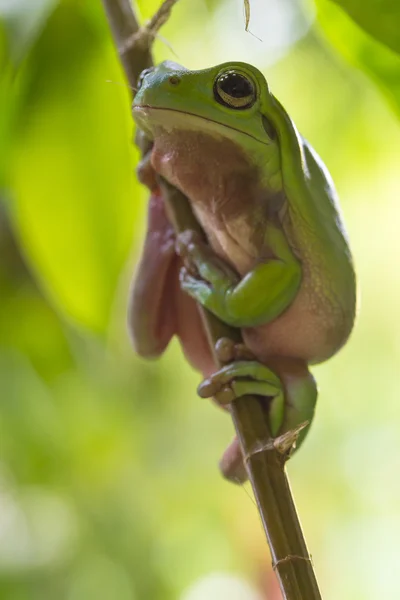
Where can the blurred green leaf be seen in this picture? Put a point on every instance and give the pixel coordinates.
(77, 231)
(360, 49)
(379, 18)
(22, 22)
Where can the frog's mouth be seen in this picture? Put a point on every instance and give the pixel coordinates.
(172, 119)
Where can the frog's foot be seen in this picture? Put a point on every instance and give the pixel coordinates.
(227, 350)
(205, 276)
(242, 378)
(291, 399)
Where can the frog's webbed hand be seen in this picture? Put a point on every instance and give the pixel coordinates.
(259, 297)
(201, 262)
(289, 399)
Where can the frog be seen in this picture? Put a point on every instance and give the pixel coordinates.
(275, 261)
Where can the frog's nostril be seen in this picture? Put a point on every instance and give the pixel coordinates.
(174, 80)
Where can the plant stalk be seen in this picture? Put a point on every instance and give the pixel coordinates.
(265, 459)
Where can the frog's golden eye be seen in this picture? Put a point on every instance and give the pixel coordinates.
(235, 90)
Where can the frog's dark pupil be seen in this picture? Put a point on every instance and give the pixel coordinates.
(235, 85)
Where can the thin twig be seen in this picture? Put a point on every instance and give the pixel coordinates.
(265, 457)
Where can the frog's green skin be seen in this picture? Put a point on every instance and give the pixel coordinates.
(269, 209)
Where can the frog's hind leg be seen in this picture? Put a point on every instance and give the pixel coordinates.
(158, 308)
(290, 395)
(151, 314)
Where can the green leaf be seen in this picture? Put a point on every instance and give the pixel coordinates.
(72, 175)
(22, 22)
(360, 49)
(379, 18)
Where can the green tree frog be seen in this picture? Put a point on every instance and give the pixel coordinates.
(276, 262)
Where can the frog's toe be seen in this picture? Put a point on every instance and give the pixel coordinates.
(243, 378)
(227, 350)
(193, 285)
(199, 287)
(185, 242)
(198, 256)
(240, 372)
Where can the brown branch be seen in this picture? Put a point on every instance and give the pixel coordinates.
(264, 457)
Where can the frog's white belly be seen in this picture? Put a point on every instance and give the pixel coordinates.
(312, 328)
(223, 240)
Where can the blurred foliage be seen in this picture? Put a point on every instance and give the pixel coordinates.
(108, 483)
(89, 236)
(22, 22)
(380, 62)
(379, 18)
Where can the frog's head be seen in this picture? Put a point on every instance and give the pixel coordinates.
(214, 120)
(229, 101)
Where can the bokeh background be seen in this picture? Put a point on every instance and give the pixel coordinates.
(108, 480)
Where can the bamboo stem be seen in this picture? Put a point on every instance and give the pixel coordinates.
(265, 459)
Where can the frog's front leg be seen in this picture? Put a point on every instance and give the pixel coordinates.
(259, 297)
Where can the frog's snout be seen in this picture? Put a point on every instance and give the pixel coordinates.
(173, 79)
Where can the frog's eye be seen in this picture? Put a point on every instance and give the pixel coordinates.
(235, 90)
(142, 76)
